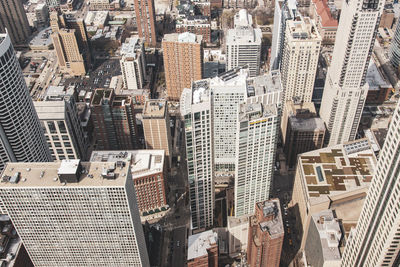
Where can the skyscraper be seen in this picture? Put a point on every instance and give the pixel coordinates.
(299, 63)
(156, 127)
(196, 110)
(345, 87)
(133, 64)
(146, 21)
(14, 19)
(376, 239)
(394, 52)
(59, 118)
(243, 44)
(183, 62)
(70, 43)
(257, 128)
(75, 214)
(21, 137)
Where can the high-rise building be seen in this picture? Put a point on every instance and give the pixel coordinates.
(304, 131)
(257, 131)
(70, 41)
(113, 120)
(183, 62)
(325, 15)
(80, 214)
(13, 18)
(266, 233)
(199, 25)
(336, 178)
(21, 137)
(299, 63)
(196, 109)
(148, 174)
(156, 127)
(53, 4)
(394, 52)
(133, 64)
(146, 21)
(203, 249)
(243, 44)
(375, 241)
(59, 118)
(284, 10)
(345, 86)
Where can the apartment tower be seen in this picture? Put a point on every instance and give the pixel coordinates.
(133, 63)
(376, 239)
(146, 21)
(183, 62)
(80, 214)
(21, 137)
(345, 86)
(156, 126)
(300, 55)
(243, 44)
(13, 18)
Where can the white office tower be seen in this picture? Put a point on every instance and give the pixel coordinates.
(21, 137)
(300, 60)
(75, 214)
(195, 105)
(376, 239)
(345, 87)
(284, 10)
(257, 130)
(133, 66)
(243, 44)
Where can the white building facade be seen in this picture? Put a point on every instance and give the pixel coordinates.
(21, 137)
(75, 214)
(133, 64)
(376, 239)
(196, 109)
(300, 55)
(345, 87)
(243, 44)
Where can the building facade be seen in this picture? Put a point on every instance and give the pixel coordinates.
(325, 15)
(375, 241)
(266, 234)
(196, 109)
(243, 44)
(199, 25)
(133, 63)
(21, 137)
(183, 62)
(148, 174)
(394, 52)
(79, 213)
(113, 120)
(13, 18)
(146, 21)
(257, 130)
(156, 127)
(59, 118)
(300, 55)
(345, 86)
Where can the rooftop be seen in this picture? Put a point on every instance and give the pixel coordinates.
(199, 243)
(132, 47)
(154, 108)
(101, 94)
(50, 110)
(243, 31)
(307, 124)
(333, 171)
(274, 224)
(325, 12)
(256, 111)
(48, 174)
(375, 78)
(330, 234)
(304, 29)
(143, 162)
(185, 37)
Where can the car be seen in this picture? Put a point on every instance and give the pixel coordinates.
(288, 230)
(290, 242)
(177, 243)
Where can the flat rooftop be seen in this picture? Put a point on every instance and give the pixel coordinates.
(45, 174)
(333, 171)
(307, 124)
(142, 162)
(199, 243)
(256, 111)
(101, 94)
(303, 30)
(154, 109)
(275, 226)
(263, 84)
(185, 37)
(329, 233)
(132, 47)
(50, 110)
